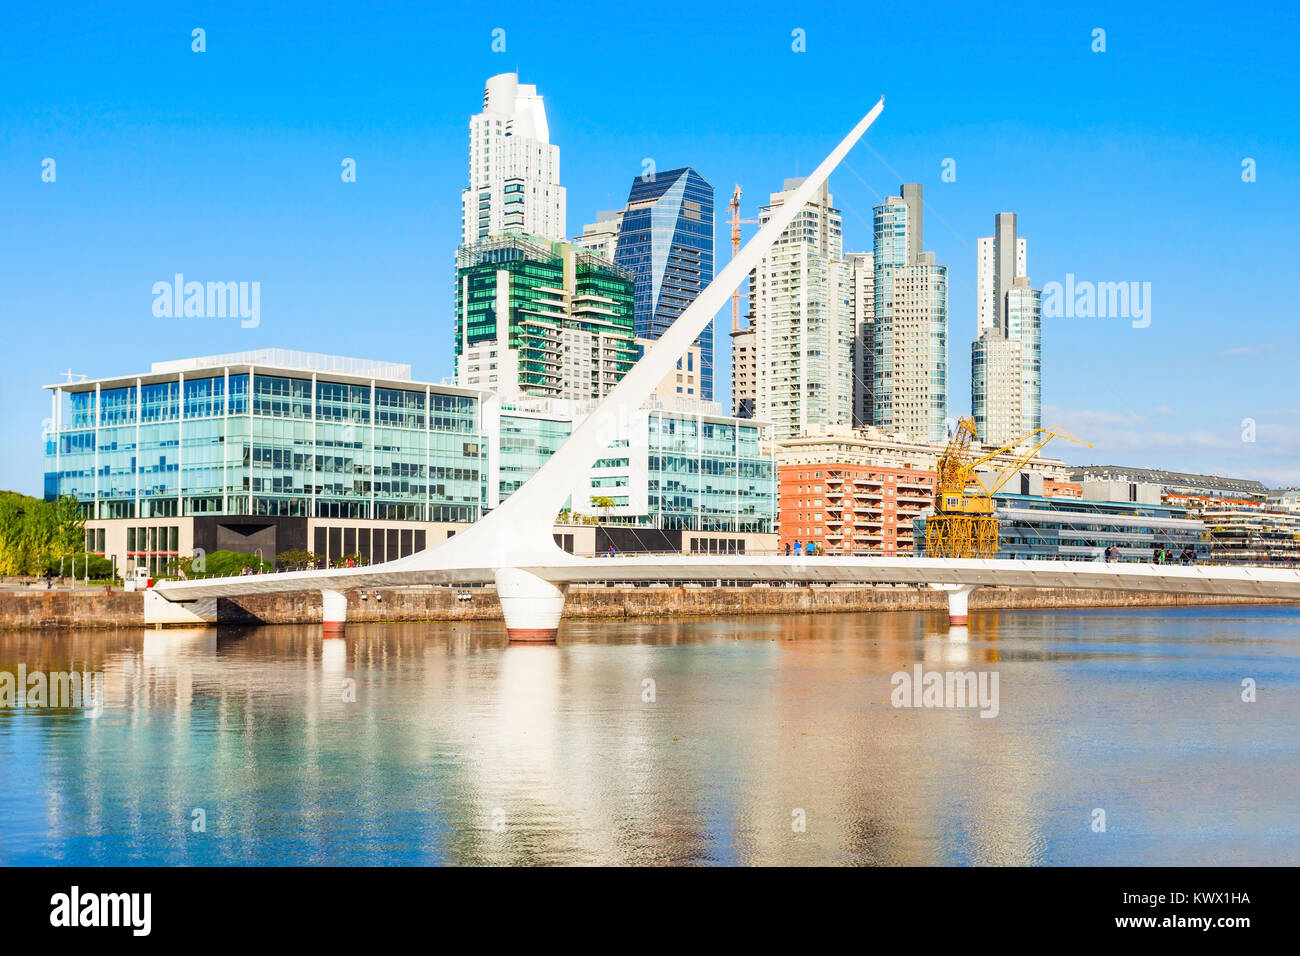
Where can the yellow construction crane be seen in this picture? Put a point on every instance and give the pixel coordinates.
(736, 223)
(963, 524)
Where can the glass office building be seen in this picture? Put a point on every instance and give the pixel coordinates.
(258, 434)
(709, 475)
(271, 451)
(523, 445)
(1036, 528)
(673, 470)
(666, 240)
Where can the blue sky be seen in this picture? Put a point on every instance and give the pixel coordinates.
(1122, 166)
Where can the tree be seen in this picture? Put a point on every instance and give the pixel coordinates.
(68, 524)
(84, 564)
(298, 559)
(180, 567)
(223, 564)
(604, 502)
(12, 545)
(35, 534)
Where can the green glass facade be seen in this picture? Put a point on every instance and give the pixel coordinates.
(551, 289)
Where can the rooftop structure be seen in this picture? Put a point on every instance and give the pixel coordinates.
(872, 446)
(290, 358)
(1176, 483)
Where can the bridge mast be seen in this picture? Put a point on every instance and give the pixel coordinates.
(519, 533)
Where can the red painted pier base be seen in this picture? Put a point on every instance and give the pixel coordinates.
(532, 635)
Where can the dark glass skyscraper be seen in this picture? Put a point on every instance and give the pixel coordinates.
(666, 239)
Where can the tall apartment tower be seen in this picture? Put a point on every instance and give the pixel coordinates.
(744, 394)
(665, 238)
(986, 270)
(802, 320)
(543, 319)
(862, 306)
(910, 372)
(514, 171)
(1006, 357)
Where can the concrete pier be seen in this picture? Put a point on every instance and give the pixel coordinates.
(958, 602)
(334, 612)
(531, 606)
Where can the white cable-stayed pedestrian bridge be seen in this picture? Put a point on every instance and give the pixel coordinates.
(532, 595)
(513, 547)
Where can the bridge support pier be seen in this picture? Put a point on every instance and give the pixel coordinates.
(335, 612)
(958, 597)
(532, 606)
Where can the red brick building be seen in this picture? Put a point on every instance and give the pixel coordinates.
(852, 509)
(857, 491)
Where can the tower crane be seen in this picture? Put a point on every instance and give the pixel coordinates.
(736, 223)
(963, 524)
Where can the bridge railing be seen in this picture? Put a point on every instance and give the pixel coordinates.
(1288, 563)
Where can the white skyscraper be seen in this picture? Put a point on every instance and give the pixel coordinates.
(1006, 356)
(803, 321)
(514, 171)
(984, 271)
(862, 302)
(910, 376)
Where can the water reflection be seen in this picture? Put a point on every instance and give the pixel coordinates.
(443, 744)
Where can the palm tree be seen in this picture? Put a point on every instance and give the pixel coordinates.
(604, 502)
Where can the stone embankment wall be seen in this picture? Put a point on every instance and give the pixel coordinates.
(80, 607)
(95, 608)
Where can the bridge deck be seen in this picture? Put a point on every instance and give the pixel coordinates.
(1200, 579)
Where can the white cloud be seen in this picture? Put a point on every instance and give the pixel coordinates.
(1127, 438)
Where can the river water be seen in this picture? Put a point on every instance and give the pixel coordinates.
(765, 740)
